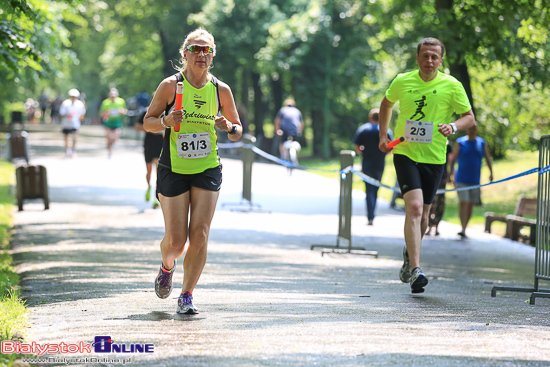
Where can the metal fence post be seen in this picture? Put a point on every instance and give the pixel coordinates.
(247, 157)
(345, 211)
(542, 243)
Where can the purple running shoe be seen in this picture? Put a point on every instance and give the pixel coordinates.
(185, 304)
(163, 283)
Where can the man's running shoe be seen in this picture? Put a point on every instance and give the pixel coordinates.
(163, 283)
(156, 204)
(405, 272)
(185, 304)
(418, 281)
(148, 194)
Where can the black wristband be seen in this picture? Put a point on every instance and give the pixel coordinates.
(233, 130)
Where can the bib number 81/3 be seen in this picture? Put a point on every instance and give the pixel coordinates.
(194, 145)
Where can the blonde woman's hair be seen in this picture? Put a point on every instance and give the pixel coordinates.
(199, 32)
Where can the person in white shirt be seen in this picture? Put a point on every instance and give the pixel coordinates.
(72, 113)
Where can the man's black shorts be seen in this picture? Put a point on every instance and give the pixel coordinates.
(172, 184)
(412, 175)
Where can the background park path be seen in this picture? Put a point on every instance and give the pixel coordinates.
(88, 264)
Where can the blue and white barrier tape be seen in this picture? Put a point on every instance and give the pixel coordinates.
(285, 163)
(375, 182)
(230, 145)
(363, 176)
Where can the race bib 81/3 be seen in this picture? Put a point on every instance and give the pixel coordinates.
(419, 131)
(194, 145)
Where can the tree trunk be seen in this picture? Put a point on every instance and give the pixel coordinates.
(259, 110)
(457, 63)
(317, 125)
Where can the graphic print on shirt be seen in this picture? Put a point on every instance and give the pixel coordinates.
(198, 102)
(420, 104)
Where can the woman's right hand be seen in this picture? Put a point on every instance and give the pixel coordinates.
(174, 118)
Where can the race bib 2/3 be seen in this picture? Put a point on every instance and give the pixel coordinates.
(419, 131)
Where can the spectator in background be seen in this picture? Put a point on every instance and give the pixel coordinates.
(289, 123)
(54, 112)
(438, 206)
(469, 151)
(366, 142)
(72, 113)
(152, 146)
(143, 102)
(111, 111)
(44, 102)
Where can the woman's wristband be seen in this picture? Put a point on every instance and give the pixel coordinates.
(233, 129)
(162, 122)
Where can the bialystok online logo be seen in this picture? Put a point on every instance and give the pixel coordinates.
(101, 344)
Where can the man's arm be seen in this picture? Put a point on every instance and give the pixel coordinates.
(384, 122)
(277, 125)
(454, 155)
(489, 162)
(465, 121)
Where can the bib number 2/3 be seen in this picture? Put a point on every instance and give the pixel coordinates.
(419, 131)
(195, 145)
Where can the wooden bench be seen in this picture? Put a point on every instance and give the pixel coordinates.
(515, 222)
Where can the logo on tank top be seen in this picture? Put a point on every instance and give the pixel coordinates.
(198, 102)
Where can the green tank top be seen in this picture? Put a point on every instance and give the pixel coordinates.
(193, 147)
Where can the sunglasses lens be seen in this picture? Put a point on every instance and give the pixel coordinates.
(197, 49)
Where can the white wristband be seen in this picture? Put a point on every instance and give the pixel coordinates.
(162, 122)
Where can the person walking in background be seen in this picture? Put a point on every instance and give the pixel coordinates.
(189, 174)
(111, 111)
(427, 100)
(288, 124)
(54, 109)
(72, 112)
(152, 146)
(44, 103)
(366, 142)
(438, 206)
(469, 151)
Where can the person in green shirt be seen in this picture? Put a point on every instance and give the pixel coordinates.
(427, 99)
(111, 111)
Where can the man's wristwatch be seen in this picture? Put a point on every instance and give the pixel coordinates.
(453, 125)
(233, 129)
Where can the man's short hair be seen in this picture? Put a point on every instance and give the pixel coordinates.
(430, 41)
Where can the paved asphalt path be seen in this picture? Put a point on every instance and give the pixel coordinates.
(88, 265)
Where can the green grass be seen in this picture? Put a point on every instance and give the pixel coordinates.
(13, 313)
(499, 198)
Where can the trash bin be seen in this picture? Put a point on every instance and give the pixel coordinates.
(18, 146)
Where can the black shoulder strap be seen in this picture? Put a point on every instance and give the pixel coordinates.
(215, 81)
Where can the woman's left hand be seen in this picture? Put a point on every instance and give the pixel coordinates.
(223, 124)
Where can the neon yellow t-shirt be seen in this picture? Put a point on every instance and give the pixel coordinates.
(194, 149)
(433, 101)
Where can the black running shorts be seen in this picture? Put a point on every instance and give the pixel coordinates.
(412, 175)
(172, 184)
(69, 131)
(152, 146)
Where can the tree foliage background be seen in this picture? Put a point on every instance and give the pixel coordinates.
(335, 57)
